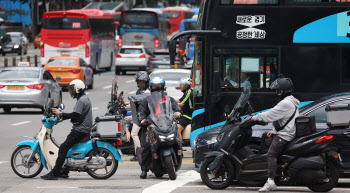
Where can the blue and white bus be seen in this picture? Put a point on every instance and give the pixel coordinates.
(145, 27)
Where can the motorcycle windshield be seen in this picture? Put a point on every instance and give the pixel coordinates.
(161, 113)
(241, 103)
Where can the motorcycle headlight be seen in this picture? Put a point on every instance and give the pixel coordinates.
(161, 137)
(171, 136)
(16, 46)
(0, 47)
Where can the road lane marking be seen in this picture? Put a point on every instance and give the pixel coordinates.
(107, 87)
(95, 108)
(170, 185)
(132, 92)
(2, 162)
(130, 81)
(55, 187)
(21, 123)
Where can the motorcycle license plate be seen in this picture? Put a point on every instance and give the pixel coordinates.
(120, 152)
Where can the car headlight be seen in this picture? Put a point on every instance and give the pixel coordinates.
(16, 46)
(0, 47)
(203, 142)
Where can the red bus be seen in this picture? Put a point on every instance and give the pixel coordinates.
(87, 33)
(175, 16)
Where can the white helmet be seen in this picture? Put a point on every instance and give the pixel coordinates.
(185, 81)
(75, 87)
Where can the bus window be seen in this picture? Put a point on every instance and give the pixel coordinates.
(345, 66)
(247, 2)
(198, 70)
(188, 15)
(241, 67)
(65, 23)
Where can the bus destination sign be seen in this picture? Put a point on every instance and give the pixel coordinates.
(250, 21)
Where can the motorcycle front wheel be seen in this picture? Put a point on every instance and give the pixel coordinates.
(220, 179)
(20, 165)
(109, 170)
(169, 166)
(331, 180)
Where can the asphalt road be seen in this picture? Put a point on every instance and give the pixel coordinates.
(26, 122)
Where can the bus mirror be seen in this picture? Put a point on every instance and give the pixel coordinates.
(172, 51)
(185, 46)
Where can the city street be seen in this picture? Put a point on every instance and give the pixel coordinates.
(26, 122)
(30, 52)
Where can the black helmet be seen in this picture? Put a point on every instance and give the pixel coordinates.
(284, 86)
(142, 76)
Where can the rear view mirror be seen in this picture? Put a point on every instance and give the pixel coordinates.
(185, 46)
(61, 106)
(58, 79)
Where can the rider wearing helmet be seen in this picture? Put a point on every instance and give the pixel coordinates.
(283, 117)
(142, 81)
(157, 84)
(185, 103)
(81, 118)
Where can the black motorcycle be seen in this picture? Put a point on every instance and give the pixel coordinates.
(163, 137)
(309, 160)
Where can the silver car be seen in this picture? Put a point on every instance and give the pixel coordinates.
(23, 87)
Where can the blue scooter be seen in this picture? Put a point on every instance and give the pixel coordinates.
(96, 156)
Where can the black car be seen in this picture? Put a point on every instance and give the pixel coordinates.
(12, 44)
(206, 141)
(160, 60)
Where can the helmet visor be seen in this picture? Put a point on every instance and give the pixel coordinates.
(71, 90)
(274, 85)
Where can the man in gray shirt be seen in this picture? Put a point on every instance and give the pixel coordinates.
(81, 118)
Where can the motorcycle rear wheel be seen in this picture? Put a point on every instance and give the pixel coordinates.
(109, 157)
(24, 152)
(169, 166)
(332, 174)
(227, 171)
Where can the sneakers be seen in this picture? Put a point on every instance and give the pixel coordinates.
(50, 176)
(64, 174)
(133, 159)
(268, 187)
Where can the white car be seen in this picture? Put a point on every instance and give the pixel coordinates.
(131, 58)
(20, 34)
(172, 79)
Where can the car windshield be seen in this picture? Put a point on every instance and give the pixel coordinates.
(13, 39)
(171, 76)
(130, 51)
(62, 62)
(16, 74)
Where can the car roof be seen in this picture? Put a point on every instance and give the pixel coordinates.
(23, 68)
(65, 57)
(171, 70)
(140, 46)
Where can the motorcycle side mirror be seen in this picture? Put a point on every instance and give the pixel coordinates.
(172, 51)
(62, 106)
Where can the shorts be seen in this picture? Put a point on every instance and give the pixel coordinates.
(183, 121)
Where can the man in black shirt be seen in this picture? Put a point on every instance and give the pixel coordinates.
(185, 103)
(81, 118)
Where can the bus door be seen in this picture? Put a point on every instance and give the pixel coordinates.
(232, 70)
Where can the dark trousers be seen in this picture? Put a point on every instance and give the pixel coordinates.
(73, 138)
(277, 146)
(146, 154)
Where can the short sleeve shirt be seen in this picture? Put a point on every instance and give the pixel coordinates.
(83, 107)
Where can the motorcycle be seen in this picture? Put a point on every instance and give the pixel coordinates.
(309, 160)
(163, 136)
(95, 156)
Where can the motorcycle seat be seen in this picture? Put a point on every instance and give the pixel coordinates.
(84, 139)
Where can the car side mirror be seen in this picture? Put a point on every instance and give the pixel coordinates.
(62, 106)
(58, 79)
(185, 46)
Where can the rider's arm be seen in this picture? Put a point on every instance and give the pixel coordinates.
(73, 116)
(174, 105)
(281, 110)
(143, 110)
